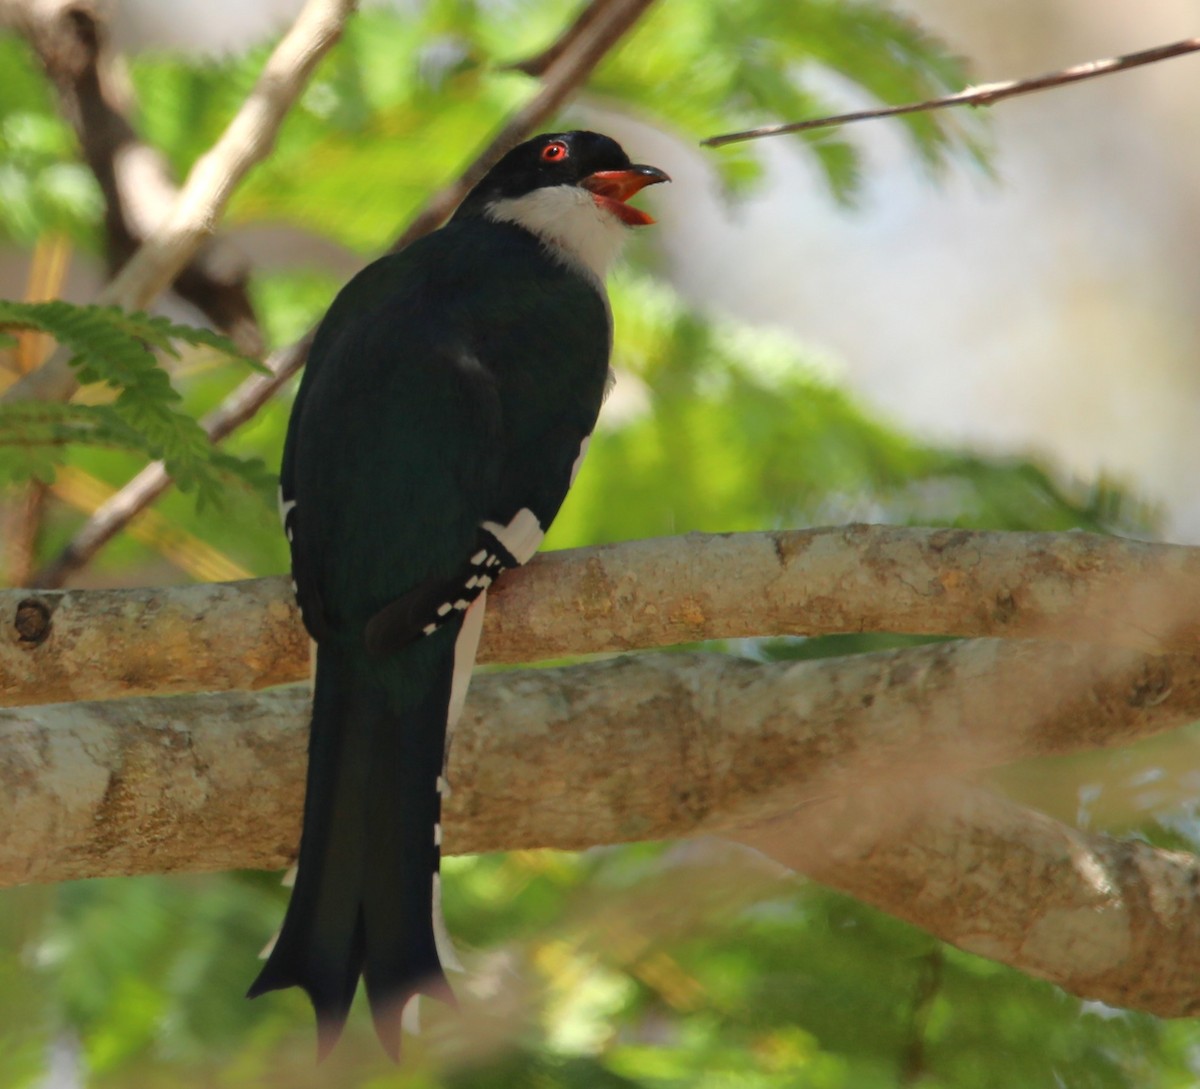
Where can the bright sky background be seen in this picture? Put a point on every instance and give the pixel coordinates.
(1054, 310)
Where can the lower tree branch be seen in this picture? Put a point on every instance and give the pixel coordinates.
(658, 746)
(1117, 921)
(641, 747)
(1070, 587)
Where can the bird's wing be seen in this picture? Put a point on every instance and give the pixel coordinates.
(474, 422)
(390, 460)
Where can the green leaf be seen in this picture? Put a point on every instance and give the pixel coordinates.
(113, 347)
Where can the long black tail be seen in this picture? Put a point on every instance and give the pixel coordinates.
(364, 897)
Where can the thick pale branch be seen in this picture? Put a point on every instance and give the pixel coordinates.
(1113, 920)
(640, 747)
(246, 141)
(1078, 587)
(657, 746)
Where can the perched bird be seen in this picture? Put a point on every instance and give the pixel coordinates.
(444, 411)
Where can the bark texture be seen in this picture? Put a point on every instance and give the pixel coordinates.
(1070, 587)
(1117, 921)
(823, 764)
(788, 758)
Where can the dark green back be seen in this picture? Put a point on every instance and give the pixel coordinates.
(448, 384)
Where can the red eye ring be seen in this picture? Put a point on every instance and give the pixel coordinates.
(555, 152)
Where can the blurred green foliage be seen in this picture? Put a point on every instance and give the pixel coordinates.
(43, 185)
(653, 966)
(116, 349)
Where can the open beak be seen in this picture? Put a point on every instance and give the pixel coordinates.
(612, 188)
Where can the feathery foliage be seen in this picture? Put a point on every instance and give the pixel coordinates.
(115, 349)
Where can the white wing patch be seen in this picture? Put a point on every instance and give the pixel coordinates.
(522, 536)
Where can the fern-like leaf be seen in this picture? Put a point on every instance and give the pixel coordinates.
(116, 348)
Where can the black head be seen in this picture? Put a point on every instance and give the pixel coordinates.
(589, 160)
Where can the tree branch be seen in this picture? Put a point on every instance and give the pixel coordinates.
(1117, 921)
(70, 37)
(576, 53)
(539, 63)
(641, 747)
(655, 746)
(1071, 586)
(247, 140)
(984, 95)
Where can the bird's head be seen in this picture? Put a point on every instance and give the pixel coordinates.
(569, 188)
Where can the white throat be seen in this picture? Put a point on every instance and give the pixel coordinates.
(573, 227)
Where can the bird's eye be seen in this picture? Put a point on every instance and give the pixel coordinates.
(555, 152)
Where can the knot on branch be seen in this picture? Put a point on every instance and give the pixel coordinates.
(32, 622)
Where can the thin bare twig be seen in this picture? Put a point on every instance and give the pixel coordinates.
(25, 517)
(983, 95)
(577, 52)
(116, 512)
(246, 141)
(26, 514)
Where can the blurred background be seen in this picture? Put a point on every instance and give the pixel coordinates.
(980, 320)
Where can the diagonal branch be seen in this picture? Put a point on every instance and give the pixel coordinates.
(984, 95)
(656, 746)
(577, 52)
(1071, 587)
(70, 38)
(1116, 921)
(539, 63)
(246, 141)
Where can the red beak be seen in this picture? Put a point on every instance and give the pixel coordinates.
(612, 188)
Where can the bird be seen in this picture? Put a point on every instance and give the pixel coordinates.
(444, 410)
